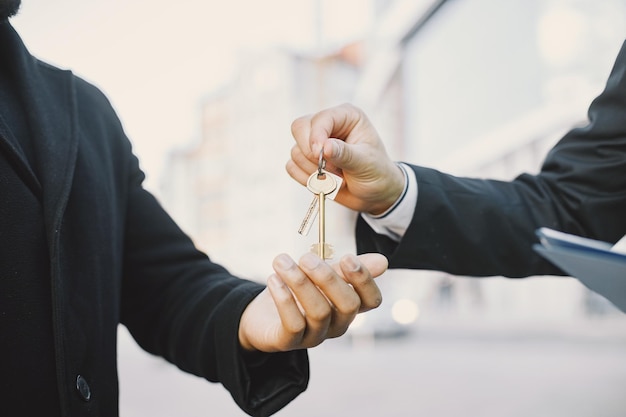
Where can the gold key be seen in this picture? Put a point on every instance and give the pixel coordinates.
(322, 183)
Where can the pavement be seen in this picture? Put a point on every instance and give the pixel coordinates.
(446, 366)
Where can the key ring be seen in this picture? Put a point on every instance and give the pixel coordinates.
(321, 164)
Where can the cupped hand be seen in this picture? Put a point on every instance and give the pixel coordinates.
(310, 301)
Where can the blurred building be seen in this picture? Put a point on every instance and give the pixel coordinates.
(230, 190)
(484, 88)
(475, 87)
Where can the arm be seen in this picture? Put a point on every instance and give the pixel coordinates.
(177, 303)
(481, 227)
(468, 226)
(181, 306)
(484, 227)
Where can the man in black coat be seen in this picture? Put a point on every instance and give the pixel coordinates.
(422, 218)
(84, 248)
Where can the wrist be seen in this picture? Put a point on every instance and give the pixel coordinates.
(393, 192)
(244, 342)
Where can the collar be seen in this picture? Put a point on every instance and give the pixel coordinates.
(50, 104)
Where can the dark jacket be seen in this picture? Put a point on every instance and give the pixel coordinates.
(482, 227)
(82, 237)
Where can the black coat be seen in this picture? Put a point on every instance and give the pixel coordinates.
(482, 227)
(80, 234)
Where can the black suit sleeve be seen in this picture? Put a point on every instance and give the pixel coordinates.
(468, 226)
(180, 305)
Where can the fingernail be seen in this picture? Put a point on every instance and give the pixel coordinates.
(351, 262)
(310, 261)
(284, 262)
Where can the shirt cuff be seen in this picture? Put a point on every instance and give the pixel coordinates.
(395, 221)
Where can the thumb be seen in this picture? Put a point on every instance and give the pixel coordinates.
(376, 263)
(342, 155)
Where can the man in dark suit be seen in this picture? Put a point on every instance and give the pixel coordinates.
(84, 248)
(422, 218)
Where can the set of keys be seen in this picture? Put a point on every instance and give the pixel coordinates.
(323, 185)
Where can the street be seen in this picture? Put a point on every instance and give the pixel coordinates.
(444, 368)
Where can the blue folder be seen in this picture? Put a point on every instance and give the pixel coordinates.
(591, 261)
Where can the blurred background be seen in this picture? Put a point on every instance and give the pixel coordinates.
(207, 91)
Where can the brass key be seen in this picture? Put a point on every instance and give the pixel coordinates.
(313, 210)
(321, 183)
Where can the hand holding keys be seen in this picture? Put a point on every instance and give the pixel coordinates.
(323, 184)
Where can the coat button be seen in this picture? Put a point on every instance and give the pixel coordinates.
(83, 388)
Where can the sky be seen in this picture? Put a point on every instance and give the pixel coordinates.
(156, 60)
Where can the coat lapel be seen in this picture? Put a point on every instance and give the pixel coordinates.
(50, 104)
(11, 50)
(11, 148)
(54, 132)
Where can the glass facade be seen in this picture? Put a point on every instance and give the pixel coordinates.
(479, 65)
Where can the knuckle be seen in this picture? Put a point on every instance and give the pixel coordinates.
(351, 109)
(350, 307)
(289, 167)
(295, 125)
(295, 152)
(298, 124)
(320, 313)
(325, 279)
(341, 331)
(292, 334)
(297, 329)
(293, 277)
(314, 342)
(297, 280)
(287, 345)
(282, 297)
(348, 106)
(360, 278)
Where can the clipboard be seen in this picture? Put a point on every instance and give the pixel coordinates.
(594, 263)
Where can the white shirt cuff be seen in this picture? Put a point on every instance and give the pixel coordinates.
(394, 222)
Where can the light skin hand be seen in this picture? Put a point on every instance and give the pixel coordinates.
(310, 301)
(352, 149)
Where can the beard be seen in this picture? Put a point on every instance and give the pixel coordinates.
(9, 8)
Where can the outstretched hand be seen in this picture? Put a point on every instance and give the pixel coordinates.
(311, 301)
(352, 149)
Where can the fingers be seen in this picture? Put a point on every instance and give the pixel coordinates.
(312, 131)
(288, 310)
(340, 154)
(307, 303)
(316, 310)
(352, 149)
(360, 273)
(344, 135)
(301, 132)
(299, 167)
(328, 300)
(344, 300)
(336, 122)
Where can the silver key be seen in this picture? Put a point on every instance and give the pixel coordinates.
(309, 217)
